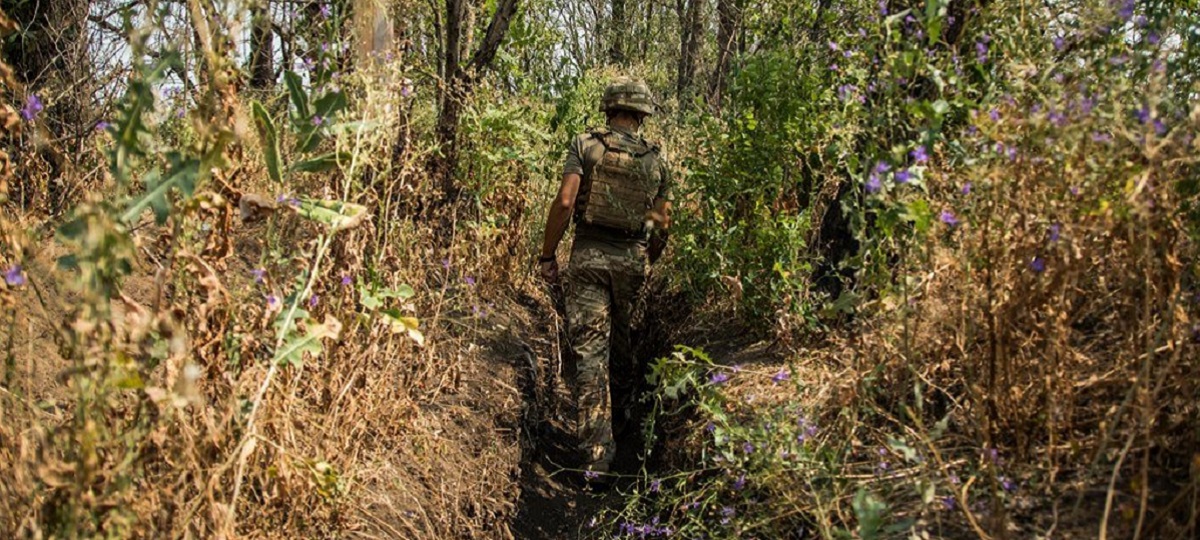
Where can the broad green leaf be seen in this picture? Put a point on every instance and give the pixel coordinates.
(312, 127)
(917, 211)
(182, 177)
(296, 346)
(935, 13)
(870, 512)
(337, 215)
(299, 97)
(270, 140)
(322, 163)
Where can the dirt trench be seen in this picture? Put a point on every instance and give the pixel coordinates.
(554, 501)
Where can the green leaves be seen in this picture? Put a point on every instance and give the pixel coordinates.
(869, 511)
(297, 344)
(131, 130)
(298, 96)
(373, 299)
(337, 215)
(270, 140)
(321, 163)
(309, 121)
(182, 177)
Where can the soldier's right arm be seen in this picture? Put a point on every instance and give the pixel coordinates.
(561, 209)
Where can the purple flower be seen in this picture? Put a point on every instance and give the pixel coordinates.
(981, 52)
(783, 375)
(1057, 118)
(1142, 114)
(948, 218)
(14, 277)
(748, 447)
(591, 475)
(312, 300)
(272, 302)
(655, 486)
(1059, 43)
(1153, 38)
(873, 183)
(1086, 105)
(833, 46)
(317, 120)
(966, 188)
(883, 10)
(727, 512)
(710, 427)
(1007, 484)
(326, 11)
(718, 378)
(406, 88)
(1038, 265)
(882, 167)
(918, 154)
(1101, 137)
(740, 483)
(903, 176)
(1126, 11)
(346, 281)
(948, 503)
(1055, 229)
(33, 106)
(102, 126)
(470, 280)
(994, 114)
(1160, 128)
(445, 264)
(258, 274)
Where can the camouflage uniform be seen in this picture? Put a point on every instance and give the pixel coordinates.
(606, 272)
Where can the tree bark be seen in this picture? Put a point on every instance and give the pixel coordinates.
(460, 83)
(729, 14)
(691, 21)
(618, 26)
(262, 47)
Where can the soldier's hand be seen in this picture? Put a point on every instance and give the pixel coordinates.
(549, 271)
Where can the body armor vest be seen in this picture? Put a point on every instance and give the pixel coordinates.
(623, 184)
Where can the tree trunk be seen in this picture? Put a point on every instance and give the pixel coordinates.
(728, 18)
(262, 47)
(618, 26)
(460, 83)
(691, 19)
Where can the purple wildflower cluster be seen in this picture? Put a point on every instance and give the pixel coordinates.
(808, 430)
(719, 377)
(14, 277)
(33, 106)
(648, 530)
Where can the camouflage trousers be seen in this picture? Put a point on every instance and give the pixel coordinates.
(603, 282)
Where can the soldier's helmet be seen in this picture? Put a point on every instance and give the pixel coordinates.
(626, 94)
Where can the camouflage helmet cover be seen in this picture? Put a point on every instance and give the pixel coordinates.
(626, 94)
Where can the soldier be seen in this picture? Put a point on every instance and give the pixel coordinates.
(618, 190)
